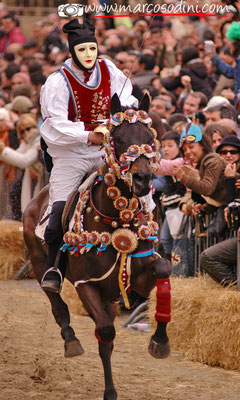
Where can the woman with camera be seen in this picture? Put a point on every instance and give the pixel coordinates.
(198, 152)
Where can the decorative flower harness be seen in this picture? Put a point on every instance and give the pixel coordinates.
(124, 240)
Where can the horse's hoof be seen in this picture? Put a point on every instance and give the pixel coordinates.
(73, 349)
(159, 350)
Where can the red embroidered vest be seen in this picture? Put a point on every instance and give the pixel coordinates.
(86, 103)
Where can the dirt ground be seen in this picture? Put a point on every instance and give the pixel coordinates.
(32, 365)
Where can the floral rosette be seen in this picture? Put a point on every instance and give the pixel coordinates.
(74, 239)
(144, 232)
(147, 150)
(113, 192)
(133, 151)
(109, 179)
(131, 116)
(105, 238)
(144, 118)
(120, 203)
(117, 118)
(67, 238)
(123, 158)
(124, 240)
(83, 238)
(93, 237)
(153, 226)
(126, 215)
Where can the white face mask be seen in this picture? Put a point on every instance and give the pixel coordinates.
(86, 53)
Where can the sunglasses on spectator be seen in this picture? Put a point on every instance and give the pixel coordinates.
(224, 152)
(26, 129)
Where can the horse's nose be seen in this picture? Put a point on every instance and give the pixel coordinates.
(142, 182)
(142, 178)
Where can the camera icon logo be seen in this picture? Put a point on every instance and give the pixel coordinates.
(70, 10)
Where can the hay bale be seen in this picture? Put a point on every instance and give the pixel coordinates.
(205, 321)
(13, 253)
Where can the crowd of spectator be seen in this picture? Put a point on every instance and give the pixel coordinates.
(194, 91)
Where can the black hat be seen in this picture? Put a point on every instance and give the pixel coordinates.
(79, 33)
(230, 140)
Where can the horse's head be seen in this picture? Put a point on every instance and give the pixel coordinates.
(132, 149)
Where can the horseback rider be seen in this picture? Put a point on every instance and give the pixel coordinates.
(73, 100)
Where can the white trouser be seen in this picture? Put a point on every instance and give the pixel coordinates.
(67, 174)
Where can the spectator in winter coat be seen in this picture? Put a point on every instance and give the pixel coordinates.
(192, 66)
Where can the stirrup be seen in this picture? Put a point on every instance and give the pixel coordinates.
(52, 285)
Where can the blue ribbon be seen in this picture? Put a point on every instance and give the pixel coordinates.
(142, 254)
(103, 247)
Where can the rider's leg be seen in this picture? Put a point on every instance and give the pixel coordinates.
(55, 270)
(66, 176)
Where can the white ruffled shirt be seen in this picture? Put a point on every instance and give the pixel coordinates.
(70, 139)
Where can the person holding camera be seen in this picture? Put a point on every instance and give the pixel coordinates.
(197, 150)
(73, 101)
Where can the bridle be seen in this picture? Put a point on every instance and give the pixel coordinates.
(121, 167)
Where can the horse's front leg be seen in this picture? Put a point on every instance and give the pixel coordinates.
(105, 352)
(59, 308)
(103, 316)
(61, 314)
(159, 346)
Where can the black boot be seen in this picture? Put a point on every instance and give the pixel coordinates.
(52, 279)
(55, 268)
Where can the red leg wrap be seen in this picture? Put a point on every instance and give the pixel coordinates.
(163, 306)
(99, 338)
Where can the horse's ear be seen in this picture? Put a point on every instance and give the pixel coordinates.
(115, 104)
(145, 102)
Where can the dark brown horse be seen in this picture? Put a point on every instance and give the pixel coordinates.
(112, 229)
